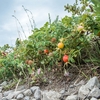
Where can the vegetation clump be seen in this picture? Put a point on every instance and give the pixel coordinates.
(57, 46)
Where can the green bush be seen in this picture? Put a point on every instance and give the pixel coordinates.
(80, 35)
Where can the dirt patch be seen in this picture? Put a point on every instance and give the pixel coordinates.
(57, 81)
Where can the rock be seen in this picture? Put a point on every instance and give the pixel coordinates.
(34, 88)
(62, 91)
(72, 86)
(33, 99)
(83, 92)
(21, 87)
(28, 92)
(7, 92)
(37, 94)
(80, 83)
(93, 82)
(13, 94)
(27, 98)
(0, 96)
(4, 98)
(3, 84)
(72, 97)
(0, 89)
(53, 95)
(89, 91)
(95, 92)
(45, 97)
(10, 96)
(93, 98)
(20, 96)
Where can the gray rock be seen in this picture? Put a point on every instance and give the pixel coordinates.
(95, 92)
(37, 94)
(13, 94)
(53, 95)
(33, 99)
(27, 98)
(72, 97)
(72, 86)
(21, 87)
(33, 89)
(93, 98)
(45, 97)
(20, 96)
(62, 91)
(3, 83)
(90, 89)
(0, 89)
(4, 98)
(10, 96)
(83, 92)
(28, 92)
(7, 92)
(0, 96)
(80, 83)
(93, 82)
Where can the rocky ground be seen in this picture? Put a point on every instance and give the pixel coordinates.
(73, 90)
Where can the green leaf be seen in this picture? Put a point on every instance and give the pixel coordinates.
(96, 32)
(95, 2)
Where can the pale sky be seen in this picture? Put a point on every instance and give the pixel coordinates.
(40, 10)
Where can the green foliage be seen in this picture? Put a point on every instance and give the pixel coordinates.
(75, 43)
(79, 33)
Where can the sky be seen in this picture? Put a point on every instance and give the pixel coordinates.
(10, 29)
